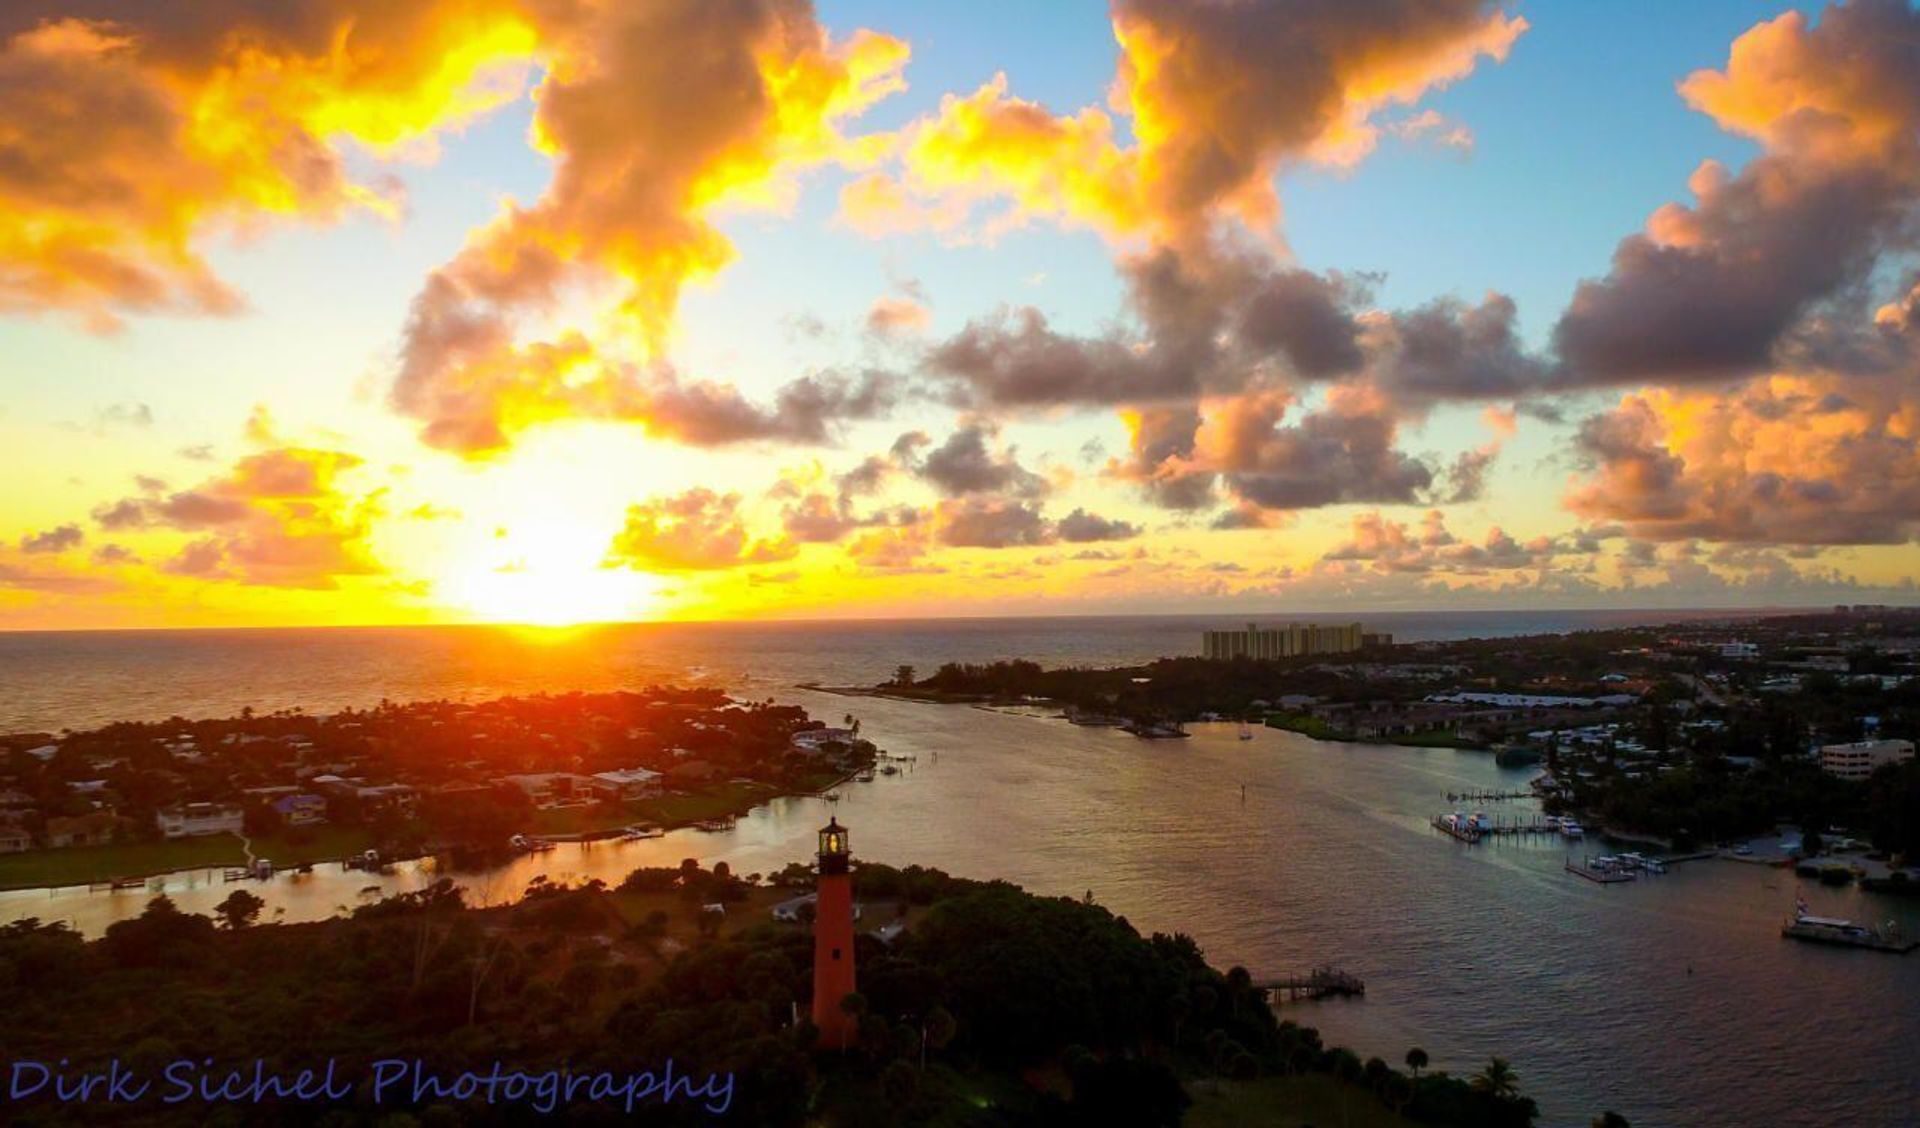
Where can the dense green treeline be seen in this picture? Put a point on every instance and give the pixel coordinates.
(995, 1007)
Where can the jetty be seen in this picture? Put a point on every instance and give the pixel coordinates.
(1320, 983)
(1846, 934)
(1487, 796)
(1599, 875)
(1473, 828)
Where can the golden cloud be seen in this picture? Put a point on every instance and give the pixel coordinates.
(278, 518)
(131, 134)
(1218, 97)
(696, 531)
(657, 116)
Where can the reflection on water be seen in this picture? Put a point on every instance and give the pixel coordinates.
(1672, 999)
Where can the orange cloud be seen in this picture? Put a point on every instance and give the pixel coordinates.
(127, 141)
(657, 116)
(695, 531)
(1218, 96)
(1789, 459)
(1805, 428)
(277, 518)
(1709, 292)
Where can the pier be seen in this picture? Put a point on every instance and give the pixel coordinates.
(1473, 830)
(1599, 876)
(1487, 796)
(1320, 983)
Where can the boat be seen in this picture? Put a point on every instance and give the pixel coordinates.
(1803, 925)
(1246, 731)
(889, 770)
(527, 845)
(714, 825)
(1571, 829)
(1457, 825)
(639, 831)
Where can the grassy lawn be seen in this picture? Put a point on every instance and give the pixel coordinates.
(1321, 730)
(1302, 724)
(81, 865)
(312, 844)
(1433, 738)
(669, 810)
(584, 820)
(1287, 1102)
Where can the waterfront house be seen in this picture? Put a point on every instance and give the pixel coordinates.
(44, 753)
(813, 742)
(191, 820)
(302, 809)
(96, 829)
(629, 783)
(14, 839)
(554, 789)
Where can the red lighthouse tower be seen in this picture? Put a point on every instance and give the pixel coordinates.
(833, 939)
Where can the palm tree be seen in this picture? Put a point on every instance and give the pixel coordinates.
(1497, 1080)
(1416, 1061)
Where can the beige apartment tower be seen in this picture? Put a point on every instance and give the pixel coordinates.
(1290, 641)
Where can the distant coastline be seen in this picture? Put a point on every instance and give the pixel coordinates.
(55, 679)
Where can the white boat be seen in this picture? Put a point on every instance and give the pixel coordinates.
(1571, 829)
(639, 831)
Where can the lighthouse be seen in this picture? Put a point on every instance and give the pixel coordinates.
(833, 939)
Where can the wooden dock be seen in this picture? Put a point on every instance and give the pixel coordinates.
(1600, 876)
(1497, 827)
(1320, 983)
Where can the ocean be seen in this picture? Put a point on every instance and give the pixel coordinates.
(81, 679)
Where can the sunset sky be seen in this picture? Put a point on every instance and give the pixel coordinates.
(347, 311)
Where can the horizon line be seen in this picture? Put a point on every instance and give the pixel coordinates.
(1742, 611)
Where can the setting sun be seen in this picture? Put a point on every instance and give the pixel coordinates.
(549, 571)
